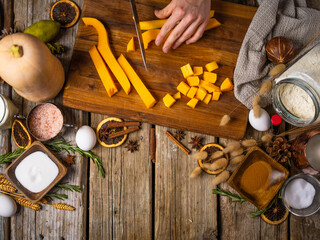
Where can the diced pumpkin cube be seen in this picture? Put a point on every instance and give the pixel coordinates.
(197, 70)
(177, 95)
(201, 93)
(187, 70)
(193, 81)
(212, 66)
(226, 85)
(207, 99)
(136, 82)
(209, 86)
(193, 103)
(216, 96)
(131, 47)
(168, 100)
(183, 88)
(210, 77)
(192, 92)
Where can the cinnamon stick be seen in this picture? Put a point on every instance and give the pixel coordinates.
(123, 124)
(152, 145)
(123, 132)
(178, 143)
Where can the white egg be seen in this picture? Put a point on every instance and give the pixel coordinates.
(86, 138)
(8, 206)
(261, 123)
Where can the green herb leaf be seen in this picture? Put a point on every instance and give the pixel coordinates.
(68, 187)
(221, 192)
(59, 196)
(60, 145)
(9, 157)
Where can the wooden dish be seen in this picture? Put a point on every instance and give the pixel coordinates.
(210, 171)
(10, 172)
(262, 197)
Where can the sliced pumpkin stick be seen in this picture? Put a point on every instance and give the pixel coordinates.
(103, 71)
(153, 24)
(137, 83)
(212, 23)
(131, 47)
(106, 53)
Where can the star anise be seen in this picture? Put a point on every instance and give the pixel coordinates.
(70, 159)
(103, 134)
(132, 146)
(179, 135)
(196, 142)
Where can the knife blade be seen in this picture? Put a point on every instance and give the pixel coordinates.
(138, 30)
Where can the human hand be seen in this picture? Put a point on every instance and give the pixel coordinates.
(193, 16)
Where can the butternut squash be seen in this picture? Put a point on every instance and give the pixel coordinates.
(207, 99)
(137, 83)
(193, 81)
(131, 47)
(177, 95)
(210, 77)
(186, 70)
(106, 53)
(209, 86)
(192, 92)
(197, 71)
(183, 88)
(226, 85)
(103, 71)
(193, 103)
(28, 66)
(149, 36)
(216, 96)
(211, 66)
(201, 93)
(168, 100)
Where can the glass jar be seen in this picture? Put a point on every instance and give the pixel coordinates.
(7, 112)
(296, 93)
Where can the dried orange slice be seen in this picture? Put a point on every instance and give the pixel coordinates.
(65, 12)
(20, 134)
(103, 132)
(276, 214)
(211, 148)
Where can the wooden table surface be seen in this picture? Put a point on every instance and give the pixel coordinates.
(137, 199)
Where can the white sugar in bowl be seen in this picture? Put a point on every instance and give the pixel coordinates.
(8, 206)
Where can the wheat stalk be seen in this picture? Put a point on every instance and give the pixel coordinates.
(26, 203)
(7, 188)
(62, 206)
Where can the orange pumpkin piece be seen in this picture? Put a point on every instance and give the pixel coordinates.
(149, 36)
(216, 96)
(210, 77)
(193, 102)
(168, 100)
(192, 92)
(212, 23)
(186, 70)
(207, 99)
(137, 83)
(201, 93)
(226, 85)
(209, 86)
(103, 71)
(193, 81)
(106, 53)
(211, 66)
(197, 71)
(131, 47)
(177, 95)
(183, 88)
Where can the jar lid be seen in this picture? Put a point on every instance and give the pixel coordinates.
(313, 152)
(276, 120)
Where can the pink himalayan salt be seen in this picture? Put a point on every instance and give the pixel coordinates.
(45, 121)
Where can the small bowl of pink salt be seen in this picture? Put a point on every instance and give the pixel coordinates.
(301, 194)
(45, 122)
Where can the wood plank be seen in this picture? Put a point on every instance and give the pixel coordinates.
(184, 208)
(51, 223)
(85, 91)
(121, 204)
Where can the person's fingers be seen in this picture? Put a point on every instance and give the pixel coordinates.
(198, 34)
(187, 34)
(165, 12)
(169, 25)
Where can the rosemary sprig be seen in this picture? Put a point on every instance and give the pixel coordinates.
(236, 197)
(68, 187)
(261, 211)
(60, 196)
(60, 145)
(9, 157)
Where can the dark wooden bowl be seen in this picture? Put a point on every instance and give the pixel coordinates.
(10, 172)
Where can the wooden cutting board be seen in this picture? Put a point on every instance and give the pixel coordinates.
(85, 91)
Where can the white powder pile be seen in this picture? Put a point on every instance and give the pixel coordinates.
(297, 101)
(299, 193)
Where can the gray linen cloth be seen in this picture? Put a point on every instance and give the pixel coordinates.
(288, 18)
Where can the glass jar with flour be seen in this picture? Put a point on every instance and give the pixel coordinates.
(296, 93)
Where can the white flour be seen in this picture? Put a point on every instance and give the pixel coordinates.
(297, 101)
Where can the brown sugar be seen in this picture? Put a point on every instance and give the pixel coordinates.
(256, 177)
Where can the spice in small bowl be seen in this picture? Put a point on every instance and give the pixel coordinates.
(45, 121)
